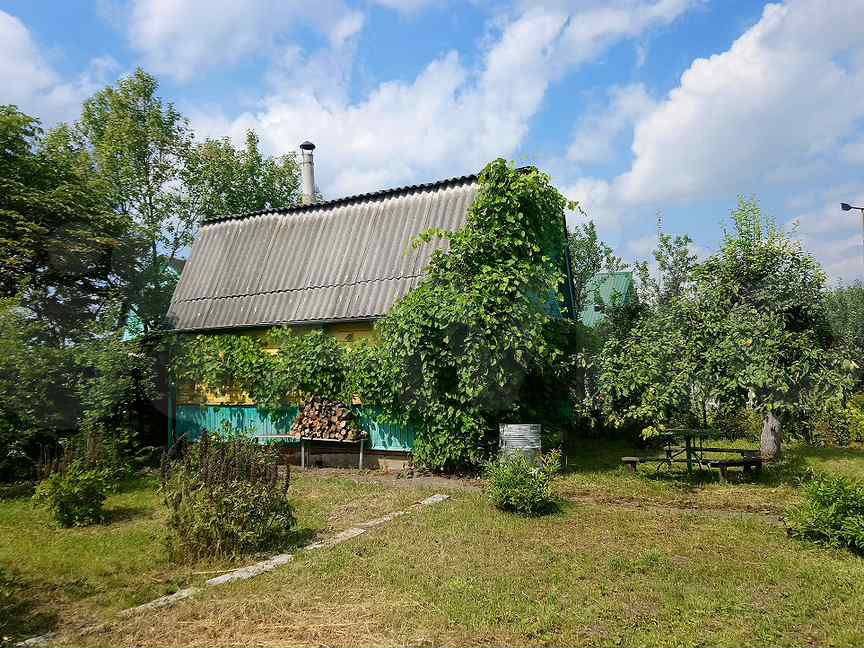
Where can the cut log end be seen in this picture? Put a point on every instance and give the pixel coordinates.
(329, 420)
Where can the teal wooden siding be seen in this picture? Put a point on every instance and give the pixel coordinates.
(383, 436)
(192, 420)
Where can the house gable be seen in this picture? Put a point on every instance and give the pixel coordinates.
(610, 286)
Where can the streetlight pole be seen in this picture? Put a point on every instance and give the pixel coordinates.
(848, 207)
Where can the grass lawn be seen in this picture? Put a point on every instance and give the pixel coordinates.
(595, 472)
(593, 573)
(53, 578)
(626, 560)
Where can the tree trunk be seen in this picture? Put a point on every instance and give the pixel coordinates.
(772, 436)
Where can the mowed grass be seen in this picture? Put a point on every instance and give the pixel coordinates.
(461, 573)
(646, 560)
(53, 578)
(594, 472)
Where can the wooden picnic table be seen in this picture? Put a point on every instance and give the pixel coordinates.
(681, 445)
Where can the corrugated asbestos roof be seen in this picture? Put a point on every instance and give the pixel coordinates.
(618, 285)
(345, 259)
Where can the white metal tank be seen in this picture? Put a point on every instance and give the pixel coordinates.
(519, 437)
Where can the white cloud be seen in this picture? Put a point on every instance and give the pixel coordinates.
(854, 151)
(450, 119)
(408, 6)
(29, 81)
(593, 26)
(595, 135)
(773, 111)
(782, 93)
(183, 39)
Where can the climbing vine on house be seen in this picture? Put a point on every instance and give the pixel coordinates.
(276, 369)
(478, 342)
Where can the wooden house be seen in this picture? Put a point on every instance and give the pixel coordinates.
(338, 265)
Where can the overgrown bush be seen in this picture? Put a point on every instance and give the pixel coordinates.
(832, 513)
(117, 389)
(515, 483)
(225, 498)
(74, 495)
(38, 406)
(856, 421)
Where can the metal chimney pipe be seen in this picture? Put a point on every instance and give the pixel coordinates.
(308, 172)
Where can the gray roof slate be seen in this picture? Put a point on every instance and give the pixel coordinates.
(346, 259)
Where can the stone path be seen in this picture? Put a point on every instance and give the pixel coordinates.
(243, 573)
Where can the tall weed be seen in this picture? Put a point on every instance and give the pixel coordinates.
(226, 497)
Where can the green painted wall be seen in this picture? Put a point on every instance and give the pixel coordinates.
(192, 420)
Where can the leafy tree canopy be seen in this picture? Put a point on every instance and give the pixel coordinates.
(589, 256)
(224, 179)
(747, 327)
(845, 308)
(57, 230)
(164, 184)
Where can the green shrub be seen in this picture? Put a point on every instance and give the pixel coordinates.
(837, 426)
(855, 411)
(75, 495)
(832, 513)
(226, 498)
(16, 490)
(515, 483)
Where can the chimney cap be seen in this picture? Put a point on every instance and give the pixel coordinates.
(307, 146)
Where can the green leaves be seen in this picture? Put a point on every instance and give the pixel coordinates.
(307, 364)
(57, 231)
(832, 513)
(223, 179)
(478, 340)
(514, 483)
(745, 327)
(222, 361)
(74, 496)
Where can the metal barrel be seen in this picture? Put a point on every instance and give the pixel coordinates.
(519, 437)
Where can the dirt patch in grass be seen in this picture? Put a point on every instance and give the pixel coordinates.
(400, 480)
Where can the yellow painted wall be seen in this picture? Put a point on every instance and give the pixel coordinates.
(349, 332)
(345, 333)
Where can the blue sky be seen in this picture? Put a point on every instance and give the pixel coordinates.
(637, 108)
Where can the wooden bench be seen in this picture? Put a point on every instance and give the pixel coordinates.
(747, 462)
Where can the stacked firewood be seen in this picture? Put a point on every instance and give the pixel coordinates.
(324, 419)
